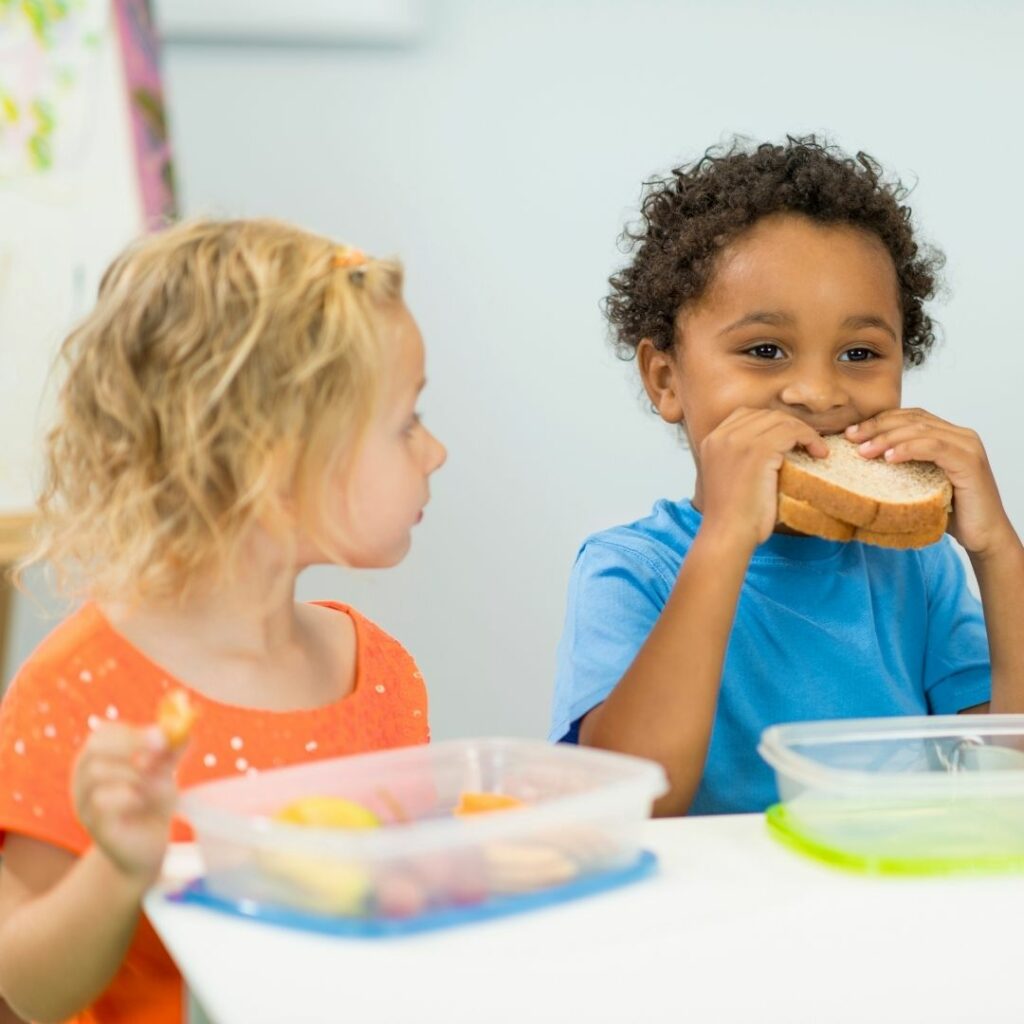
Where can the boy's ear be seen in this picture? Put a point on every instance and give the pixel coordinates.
(660, 374)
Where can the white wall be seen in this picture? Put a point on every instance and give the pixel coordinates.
(499, 158)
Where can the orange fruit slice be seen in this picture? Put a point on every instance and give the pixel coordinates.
(483, 803)
(175, 715)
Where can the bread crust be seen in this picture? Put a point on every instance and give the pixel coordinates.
(921, 538)
(799, 515)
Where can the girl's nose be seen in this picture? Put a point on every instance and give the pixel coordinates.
(438, 455)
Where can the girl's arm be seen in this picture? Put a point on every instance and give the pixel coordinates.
(66, 922)
(65, 925)
(664, 706)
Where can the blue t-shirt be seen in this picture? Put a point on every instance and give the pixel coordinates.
(822, 630)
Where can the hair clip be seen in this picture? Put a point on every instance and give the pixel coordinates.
(347, 258)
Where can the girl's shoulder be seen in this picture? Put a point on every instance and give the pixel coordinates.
(73, 642)
(80, 677)
(376, 649)
(81, 663)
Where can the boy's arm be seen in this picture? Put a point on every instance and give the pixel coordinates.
(1000, 573)
(979, 523)
(65, 925)
(664, 705)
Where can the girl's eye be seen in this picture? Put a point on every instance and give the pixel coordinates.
(858, 355)
(413, 423)
(765, 350)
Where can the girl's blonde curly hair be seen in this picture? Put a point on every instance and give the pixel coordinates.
(225, 366)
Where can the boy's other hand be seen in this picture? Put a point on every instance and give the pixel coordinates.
(979, 521)
(738, 471)
(124, 794)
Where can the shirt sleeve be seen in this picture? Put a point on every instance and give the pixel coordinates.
(39, 740)
(958, 673)
(616, 594)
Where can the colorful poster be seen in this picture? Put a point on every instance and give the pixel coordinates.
(84, 167)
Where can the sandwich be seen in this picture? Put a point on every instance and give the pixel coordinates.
(847, 497)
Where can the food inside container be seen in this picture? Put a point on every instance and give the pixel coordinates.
(401, 833)
(916, 795)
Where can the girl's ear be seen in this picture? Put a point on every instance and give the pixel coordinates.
(660, 374)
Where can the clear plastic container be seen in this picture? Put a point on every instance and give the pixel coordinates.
(580, 815)
(912, 795)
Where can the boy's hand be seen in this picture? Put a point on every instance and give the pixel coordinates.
(738, 470)
(124, 794)
(979, 521)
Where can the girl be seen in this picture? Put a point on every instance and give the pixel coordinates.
(240, 404)
(776, 295)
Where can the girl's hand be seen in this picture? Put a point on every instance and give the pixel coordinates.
(738, 470)
(124, 794)
(979, 521)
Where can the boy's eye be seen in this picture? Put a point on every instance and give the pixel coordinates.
(765, 350)
(858, 355)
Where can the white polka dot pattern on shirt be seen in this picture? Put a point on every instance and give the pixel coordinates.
(236, 743)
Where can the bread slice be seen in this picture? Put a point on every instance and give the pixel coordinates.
(805, 518)
(918, 539)
(881, 497)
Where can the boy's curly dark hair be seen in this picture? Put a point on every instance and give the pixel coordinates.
(689, 217)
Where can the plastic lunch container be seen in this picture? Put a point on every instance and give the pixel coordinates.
(916, 795)
(580, 816)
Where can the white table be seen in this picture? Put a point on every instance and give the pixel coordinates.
(733, 928)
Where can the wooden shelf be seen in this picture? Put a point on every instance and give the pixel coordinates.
(15, 536)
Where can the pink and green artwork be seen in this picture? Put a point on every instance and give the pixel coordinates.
(53, 57)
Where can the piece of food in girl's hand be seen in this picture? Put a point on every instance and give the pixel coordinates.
(176, 716)
(327, 812)
(483, 803)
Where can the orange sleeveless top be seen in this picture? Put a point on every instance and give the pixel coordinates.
(85, 673)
